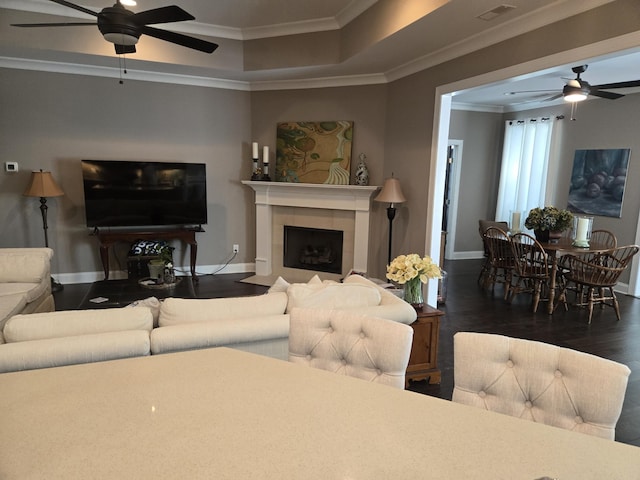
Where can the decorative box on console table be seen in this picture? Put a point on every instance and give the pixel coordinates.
(423, 361)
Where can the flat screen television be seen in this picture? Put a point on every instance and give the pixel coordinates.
(131, 193)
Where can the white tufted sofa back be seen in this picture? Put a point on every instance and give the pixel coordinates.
(347, 343)
(539, 382)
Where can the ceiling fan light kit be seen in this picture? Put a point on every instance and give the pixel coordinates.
(123, 28)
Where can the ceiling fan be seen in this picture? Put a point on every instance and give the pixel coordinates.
(577, 89)
(123, 28)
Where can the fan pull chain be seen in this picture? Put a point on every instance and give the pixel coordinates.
(122, 61)
(574, 106)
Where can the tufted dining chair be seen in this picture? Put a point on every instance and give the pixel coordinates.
(347, 343)
(539, 382)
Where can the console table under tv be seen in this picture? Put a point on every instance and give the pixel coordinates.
(107, 238)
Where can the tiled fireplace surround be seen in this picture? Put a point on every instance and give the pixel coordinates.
(331, 207)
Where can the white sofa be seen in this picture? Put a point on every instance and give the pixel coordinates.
(25, 282)
(41, 340)
(258, 324)
(261, 324)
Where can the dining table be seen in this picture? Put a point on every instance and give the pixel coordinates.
(227, 414)
(562, 246)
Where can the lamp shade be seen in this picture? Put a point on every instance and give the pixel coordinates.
(391, 192)
(42, 184)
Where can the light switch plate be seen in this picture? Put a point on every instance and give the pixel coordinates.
(11, 166)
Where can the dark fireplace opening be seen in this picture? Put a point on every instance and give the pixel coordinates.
(313, 249)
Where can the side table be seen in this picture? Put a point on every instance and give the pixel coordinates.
(423, 361)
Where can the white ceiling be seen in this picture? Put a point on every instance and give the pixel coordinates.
(450, 30)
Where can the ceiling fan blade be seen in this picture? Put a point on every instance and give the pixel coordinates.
(554, 97)
(179, 39)
(608, 86)
(124, 49)
(607, 95)
(75, 7)
(76, 24)
(162, 15)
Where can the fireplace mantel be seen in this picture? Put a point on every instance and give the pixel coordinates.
(310, 195)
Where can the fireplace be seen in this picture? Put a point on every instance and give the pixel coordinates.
(344, 208)
(315, 249)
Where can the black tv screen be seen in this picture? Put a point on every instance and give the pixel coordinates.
(126, 193)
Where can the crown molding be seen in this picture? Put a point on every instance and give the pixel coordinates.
(110, 72)
(473, 107)
(326, 82)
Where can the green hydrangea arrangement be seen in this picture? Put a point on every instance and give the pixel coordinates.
(549, 218)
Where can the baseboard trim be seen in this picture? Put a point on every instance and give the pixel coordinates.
(472, 255)
(90, 277)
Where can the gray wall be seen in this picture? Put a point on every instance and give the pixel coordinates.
(481, 133)
(52, 121)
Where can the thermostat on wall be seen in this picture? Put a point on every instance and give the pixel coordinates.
(11, 166)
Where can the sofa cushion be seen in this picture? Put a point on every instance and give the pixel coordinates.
(11, 305)
(37, 326)
(176, 311)
(331, 296)
(24, 265)
(31, 290)
(391, 307)
(218, 333)
(281, 285)
(56, 352)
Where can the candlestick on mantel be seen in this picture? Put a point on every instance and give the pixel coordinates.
(255, 174)
(265, 164)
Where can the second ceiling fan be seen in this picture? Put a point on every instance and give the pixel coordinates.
(577, 89)
(123, 28)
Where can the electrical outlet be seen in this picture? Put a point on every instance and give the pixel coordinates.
(236, 248)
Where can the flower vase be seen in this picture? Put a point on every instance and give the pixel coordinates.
(542, 235)
(412, 293)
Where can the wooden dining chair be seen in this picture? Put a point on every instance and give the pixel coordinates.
(500, 259)
(597, 273)
(603, 238)
(482, 228)
(531, 268)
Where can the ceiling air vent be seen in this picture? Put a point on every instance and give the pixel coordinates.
(495, 11)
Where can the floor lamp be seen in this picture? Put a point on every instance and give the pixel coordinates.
(391, 193)
(43, 185)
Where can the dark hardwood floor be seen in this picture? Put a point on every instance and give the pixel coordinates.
(469, 308)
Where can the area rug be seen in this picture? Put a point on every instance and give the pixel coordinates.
(263, 280)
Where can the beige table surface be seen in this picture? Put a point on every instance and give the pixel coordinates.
(226, 414)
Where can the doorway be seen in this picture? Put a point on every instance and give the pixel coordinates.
(450, 203)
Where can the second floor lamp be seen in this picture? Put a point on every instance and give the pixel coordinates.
(391, 193)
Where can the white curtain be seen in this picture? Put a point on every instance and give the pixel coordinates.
(525, 160)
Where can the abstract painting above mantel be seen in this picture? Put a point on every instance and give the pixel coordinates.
(598, 181)
(314, 152)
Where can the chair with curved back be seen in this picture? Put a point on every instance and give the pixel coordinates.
(500, 259)
(352, 344)
(604, 237)
(482, 227)
(532, 269)
(596, 273)
(539, 382)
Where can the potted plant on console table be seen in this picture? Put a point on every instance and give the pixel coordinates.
(548, 223)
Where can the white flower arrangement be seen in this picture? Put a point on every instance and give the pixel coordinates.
(405, 268)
